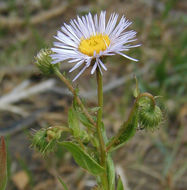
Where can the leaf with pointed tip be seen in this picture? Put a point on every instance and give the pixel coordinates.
(3, 165)
(111, 173)
(83, 159)
(127, 131)
(95, 109)
(73, 122)
(137, 90)
(120, 184)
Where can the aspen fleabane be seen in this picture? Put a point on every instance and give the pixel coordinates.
(85, 40)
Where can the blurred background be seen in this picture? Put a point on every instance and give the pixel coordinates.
(153, 160)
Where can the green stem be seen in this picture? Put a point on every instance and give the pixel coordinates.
(73, 91)
(103, 156)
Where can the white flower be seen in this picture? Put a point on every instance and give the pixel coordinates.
(89, 38)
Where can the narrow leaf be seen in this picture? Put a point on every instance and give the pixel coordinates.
(63, 184)
(136, 91)
(83, 159)
(126, 132)
(3, 165)
(129, 131)
(111, 173)
(120, 184)
(73, 122)
(84, 120)
(95, 109)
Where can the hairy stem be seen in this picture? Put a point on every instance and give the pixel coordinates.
(103, 156)
(70, 87)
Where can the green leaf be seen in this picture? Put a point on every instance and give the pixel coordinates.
(95, 109)
(136, 91)
(83, 159)
(127, 131)
(73, 122)
(3, 165)
(63, 184)
(84, 120)
(120, 184)
(111, 173)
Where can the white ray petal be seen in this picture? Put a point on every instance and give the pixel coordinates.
(76, 66)
(74, 60)
(69, 31)
(100, 69)
(78, 75)
(64, 51)
(102, 65)
(91, 23)
(94, 68)
(132, 46)
(61, 45)
(128, 57)
(112, 24)
(109, 22)
(102, 21)
(83, 28)
(57, 60)
(77, 30)
(96, 23)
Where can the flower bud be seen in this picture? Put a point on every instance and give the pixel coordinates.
(45, 140)
(43, 62)
(149, 114)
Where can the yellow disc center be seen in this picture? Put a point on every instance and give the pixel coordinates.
(93, 44)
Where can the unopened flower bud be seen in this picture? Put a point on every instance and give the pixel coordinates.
(149, 114)
(43, 62)
(45, 140)
(53, 133)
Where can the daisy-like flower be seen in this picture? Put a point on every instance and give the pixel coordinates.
(87, 39)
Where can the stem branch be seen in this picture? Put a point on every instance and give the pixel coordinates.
(70, 87)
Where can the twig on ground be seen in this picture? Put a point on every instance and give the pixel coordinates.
(21, 86)
(22, 123)
(20, 92)
(14, 109)
(13, 96)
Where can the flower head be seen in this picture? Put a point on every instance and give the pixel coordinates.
(85, 40)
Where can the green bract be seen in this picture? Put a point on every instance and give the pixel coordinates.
(43, 62)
